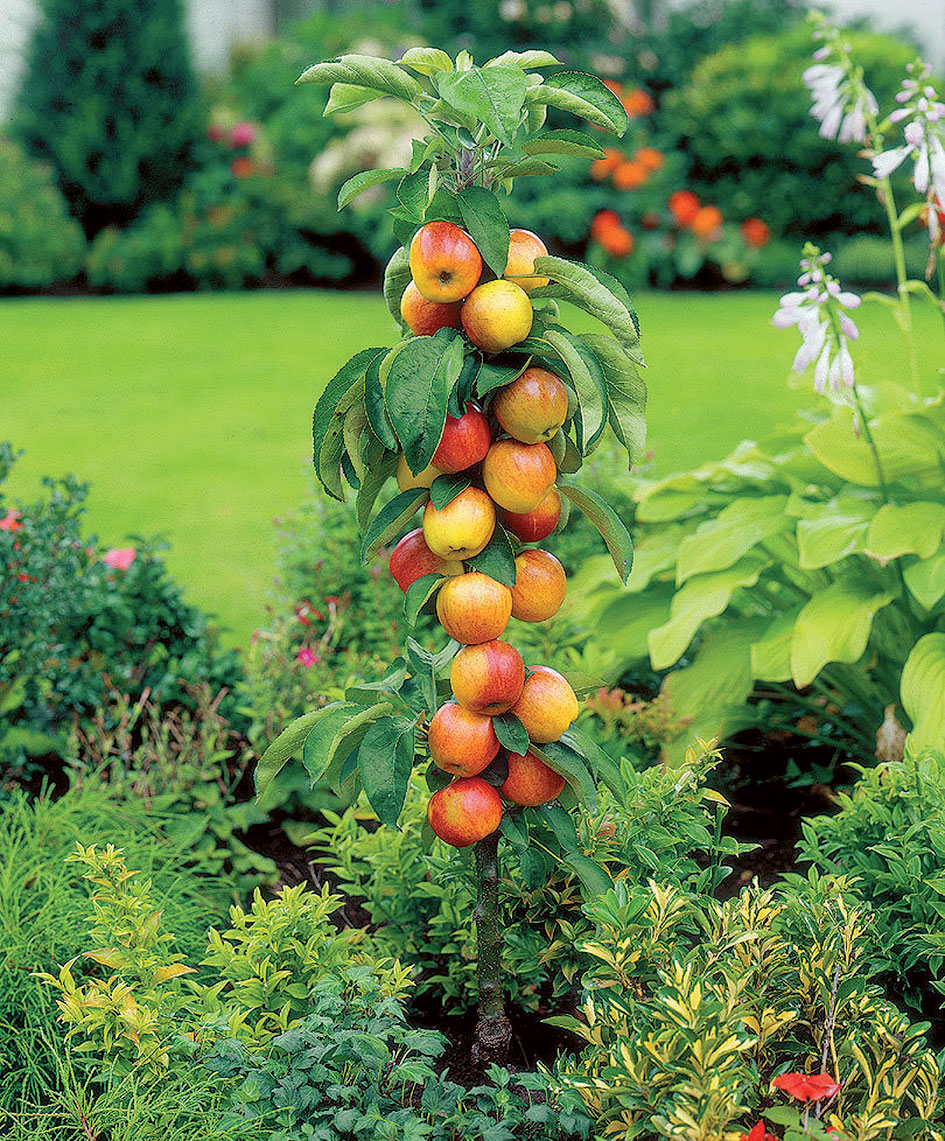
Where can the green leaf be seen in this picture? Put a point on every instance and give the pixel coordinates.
(348, 97)
(379, 467)
(492, 375)
(385, 760)
(328, 418)
(495, 96)
(358, 183)
(834, 626)
(444, 207)
(413, 195)
(926, 580)
(426, 61)
(316, 751)
(906, 529)
(907, 445)
(771, 654)
(496, 772)
(347, 740)
(487, 225)
(589, 290)
(284, 747)
(514, 830)
(923, 691)
(445, 488)
(397, 277)
(583, 95)
(354, 432)
(388, 522)
(464, 386)
(589, 384)
(608, 522)
(591, 874)
(511, 732)
(391, 683)
(600, 762)
(416, 392)
(423, 666)
(701, 597)
(375, 408)
(567, 762)
(497, 559)
(720, 542)
(626, 393)
(583, 684)
(365, 71)
(838, 529)
(526, 60)
(564, 143)
(527, 168)
(419, 593)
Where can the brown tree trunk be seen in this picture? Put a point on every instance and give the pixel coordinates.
(493, 1030)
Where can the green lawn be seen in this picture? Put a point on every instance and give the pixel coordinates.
(190, 415)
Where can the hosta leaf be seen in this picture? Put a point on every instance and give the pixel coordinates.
(426, 60)
(487, 225)
(926, 580)
(583, 95)
(906, 529)
(771, 654)
(385, 759)
(564, 143)
(364, 71)
(833, 535)
(358, 183)
(497, 560)
(720, 542)
(834, 626)
(907, 445)
(923, 690)
(589, 290)
(419, 593)
(397, 277)
(388, 522)
(417, 389)
(494, 96)
(608, 522)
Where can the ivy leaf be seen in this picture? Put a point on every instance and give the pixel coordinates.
(390, 519)
(497, 559)
(365, 71)
(493, 95)
(511, 732)
(445, 488)
(419, 593)
(416, 392)
(487, 225)
(608, 522)
(564, 143)
(385, 759)
(583, 95)
(358, 183)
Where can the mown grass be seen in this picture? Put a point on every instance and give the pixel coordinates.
(190, 415)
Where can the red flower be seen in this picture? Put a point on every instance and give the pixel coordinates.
(807, 1087)
(243, 134)
(707, 223)
(758, 1132)
(242, 167)
(119, 558)
(638, 103)
(603, 221)
(11, 521)
(755, 233)
(683, 205)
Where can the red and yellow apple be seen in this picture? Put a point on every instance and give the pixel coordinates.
(444, 262)
(487, 678)
(540, 586)
(425, 317)
(537, 524)
(461, 529)
(465, 812)
(518, 476)
(547, 705)
(461, 742)
(474, 608)
(412, 559)
(533, 407)
(464, 442)
(497, 315)
(406, 480)
(524, 247)
(530, 781)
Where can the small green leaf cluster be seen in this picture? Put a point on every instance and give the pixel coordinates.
(354, 1068)
(695, 1005)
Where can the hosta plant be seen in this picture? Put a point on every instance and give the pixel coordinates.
(481, 411)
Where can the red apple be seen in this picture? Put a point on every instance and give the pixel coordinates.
(518, 476)
(533, 407)
(487, 678)
(547, 705)
(412, 559)
(524, 247)
(540, 586)
(461, 742)
(461, 529)
(537, 524)
(465, 812)
(474, 608)
(464, 442)
(530, 781)
(424, 317)
(444, 262)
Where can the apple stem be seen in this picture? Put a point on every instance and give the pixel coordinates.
(493, 1030)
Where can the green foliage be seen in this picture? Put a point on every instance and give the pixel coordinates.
(695, 1005)
(39, 243)
(745, 118)
(75, 630)
(354, 1067)
(109, 98)
(888, 840)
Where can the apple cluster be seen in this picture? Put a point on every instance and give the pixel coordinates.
(503, 451)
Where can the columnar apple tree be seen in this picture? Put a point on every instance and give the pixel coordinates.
(482, 412)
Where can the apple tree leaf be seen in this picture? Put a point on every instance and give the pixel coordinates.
(364, 71)
(588, 382)
(494, 96)
(426, 61)
(385, 759)
(583, 95)
(289, 742)
(487, 225)
(397, 277)
(593, 291)
(626, 393)
(511, 732)
(328, 418)
(445, 488)
(526, 60)
(388, 522)
(608, 522)
(419, 593)
(564, 142)
(416, 392)
(364, 180)
(497, 559)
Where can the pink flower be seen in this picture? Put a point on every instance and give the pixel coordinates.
(11, 521)
(243, 134)
(307, 657)
(119, 558)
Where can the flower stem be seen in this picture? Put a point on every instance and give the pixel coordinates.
(493, 1029)
(899, 259)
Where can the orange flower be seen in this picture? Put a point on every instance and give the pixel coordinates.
(604, 221)
(617, 241)
(638, 103)
(650, 158)
(683, 205)
(242, 166)
(755, 233)
(707, 223)
(614, 86)
(630, 175)
(807, 1087)
(602, 167)
(11, 521)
